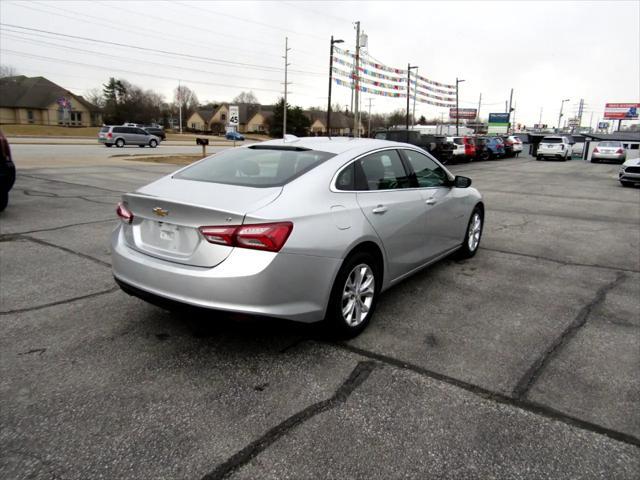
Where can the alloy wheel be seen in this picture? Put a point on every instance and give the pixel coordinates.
(357, 295)
(475, 229)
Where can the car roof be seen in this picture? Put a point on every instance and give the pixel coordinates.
(337, 145)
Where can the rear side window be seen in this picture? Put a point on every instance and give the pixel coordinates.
(427, 172)
(458, 141)
(119, 130)
(255, 167)
(104, 129)
(551, 140)
(384, 171)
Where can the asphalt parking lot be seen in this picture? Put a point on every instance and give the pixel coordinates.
(521, 362)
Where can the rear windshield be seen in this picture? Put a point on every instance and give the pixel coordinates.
(458, 141)
(551, 140)
(255, 167)
(104, 129)
(381, 136)
(610, 144)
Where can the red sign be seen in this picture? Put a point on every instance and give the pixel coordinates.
(464, 113)
(621, 111)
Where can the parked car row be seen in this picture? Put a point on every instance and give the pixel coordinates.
(450, 149)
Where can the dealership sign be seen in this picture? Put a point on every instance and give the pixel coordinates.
(621, 111)
(463, 113)
(498, 123)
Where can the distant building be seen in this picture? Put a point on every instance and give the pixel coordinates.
(38, 101)
(253, 118)
(341, 123)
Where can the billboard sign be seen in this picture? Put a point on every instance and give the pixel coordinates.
(621, 111)
(463, 113)
(234, 116)
(498, 123)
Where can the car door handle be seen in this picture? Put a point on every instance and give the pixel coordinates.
(431, 201)
(380, 209)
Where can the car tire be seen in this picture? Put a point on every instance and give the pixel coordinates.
(119, 143)
(153, 143)
(356, 268)
(108, 145)
(594, 160)
(141, 146)
(474, 230)
(626, 184)
(538, 157)
(4, 200)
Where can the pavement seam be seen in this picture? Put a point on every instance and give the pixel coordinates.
(11, 235)
(64, 249)
(565, 197)
(59, 302)
(532, 374)
(561, 262)
(486, 394)
(119, 192)
(594, 218)
(358, 375)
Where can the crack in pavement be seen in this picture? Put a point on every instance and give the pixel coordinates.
(486, 394)
(59, 302)
(8, 238)
(565, 197)
(592, 218)
(561, 262)
(359, 374)
(533, 372)
(119, 192)
(86, 198)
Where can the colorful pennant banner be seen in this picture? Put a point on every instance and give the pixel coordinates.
(392, 86)
(382, 93)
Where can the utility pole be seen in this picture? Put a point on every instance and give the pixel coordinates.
(590, 121)
(415, 92)
(286, 83)
(409, 68)
(369, 126)
(514, 117)
(509, 111)
(540, 118)
(356, 129)
(560, 116)
(180, 105)
(479, 105)
(458, 81)
(333, 42)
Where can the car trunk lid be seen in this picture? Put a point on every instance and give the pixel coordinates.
(168, 213)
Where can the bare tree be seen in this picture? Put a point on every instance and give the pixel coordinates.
(95, 97)
(246, 97)
(186, 97)
(7, 71)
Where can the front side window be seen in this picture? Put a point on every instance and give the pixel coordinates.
(255, 166)
(384, 171)
(427, 172)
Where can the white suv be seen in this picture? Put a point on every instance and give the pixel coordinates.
(554, 146)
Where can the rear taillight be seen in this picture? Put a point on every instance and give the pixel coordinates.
(619, 151)
(595, 150)
(109, 135)
(263, 236)
(124, 213)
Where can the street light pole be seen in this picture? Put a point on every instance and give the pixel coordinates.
(356, 93)
(333, 42)
(286, 65)
(458, 81)
(560, 116)
(409, 68)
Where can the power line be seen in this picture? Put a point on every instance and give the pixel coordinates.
(223, 62)
(101, 68)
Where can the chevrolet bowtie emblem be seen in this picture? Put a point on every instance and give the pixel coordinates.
(160, 212)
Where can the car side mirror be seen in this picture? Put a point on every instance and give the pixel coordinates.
(461, 182)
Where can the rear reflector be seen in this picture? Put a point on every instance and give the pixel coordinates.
(595, 150)
(619, 151)
(263, 236)
(124, 213)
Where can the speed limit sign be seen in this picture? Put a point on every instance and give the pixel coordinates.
(234, 115)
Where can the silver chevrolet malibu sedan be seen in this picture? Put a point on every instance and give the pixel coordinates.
(302, 229)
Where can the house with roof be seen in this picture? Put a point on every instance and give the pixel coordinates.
(341, 123)
(38, 101)
(252, 118)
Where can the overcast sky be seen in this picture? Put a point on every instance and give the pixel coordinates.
(545, 51)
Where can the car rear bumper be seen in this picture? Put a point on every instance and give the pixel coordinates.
(289, 286)
(619, 157)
